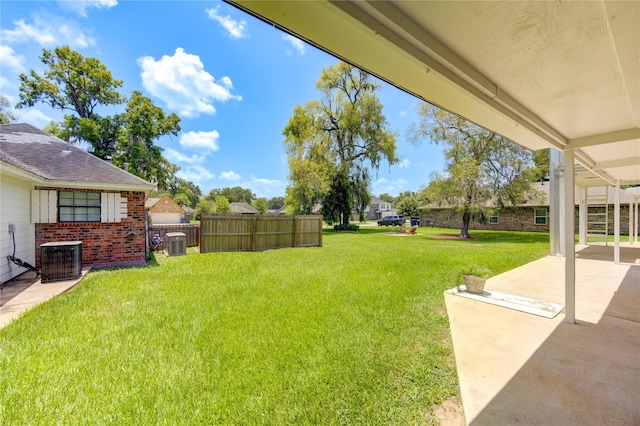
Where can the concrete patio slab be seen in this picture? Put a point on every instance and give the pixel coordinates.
(35, 294)
(516, 367)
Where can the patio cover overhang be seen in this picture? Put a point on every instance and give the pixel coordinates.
(563, 75)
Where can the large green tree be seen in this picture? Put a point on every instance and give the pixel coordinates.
(178, 187)
(484, 171)
(260, 204)
(408, 206)
(236, 194)
(79, 87)
(70, 83)
(143, 123)
(334, 141)
(274, 203)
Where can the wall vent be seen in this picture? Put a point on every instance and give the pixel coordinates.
(61, 260)
(176, 243)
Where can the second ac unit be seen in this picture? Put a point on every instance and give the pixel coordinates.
(176, 244)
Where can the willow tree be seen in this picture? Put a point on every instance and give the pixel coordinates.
(333, 143)
(483, 171)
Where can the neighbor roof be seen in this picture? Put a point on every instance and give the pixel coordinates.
(36, 155)
(375, 200)
(243, 208)
(150, 202)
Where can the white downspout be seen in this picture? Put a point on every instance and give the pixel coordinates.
(569, 239)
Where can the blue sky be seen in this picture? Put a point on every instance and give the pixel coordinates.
(232, 79)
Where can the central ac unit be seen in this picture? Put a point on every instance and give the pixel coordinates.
(61, 260)
(176, 244)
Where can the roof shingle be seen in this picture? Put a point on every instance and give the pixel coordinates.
(52, 159)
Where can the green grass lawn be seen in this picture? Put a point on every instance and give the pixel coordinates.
(355, 332)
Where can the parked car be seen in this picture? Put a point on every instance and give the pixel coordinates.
(394, 220)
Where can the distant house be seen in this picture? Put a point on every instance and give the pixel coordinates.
(533, 214)
(164, 211)
(377, 209)
(52, 191)
(243, 208)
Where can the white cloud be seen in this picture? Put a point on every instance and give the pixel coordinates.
(80, 6)
(236, 29)
(178, 157)
(296, 43)
(33, 116)
(197, 174)
(10, 59)
(47, 31)
(404, 164)
(395, 186)
(265, 187)
(200, 140)
(183, 84)
(25, 32)
(230, 175)
(5, 84)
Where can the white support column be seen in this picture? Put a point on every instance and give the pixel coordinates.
(555, 158)
(582, 215)
(569, 239)
(616, 225)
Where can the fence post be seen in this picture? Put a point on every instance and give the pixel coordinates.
(200, 232)
(295, 231)
(254, 222)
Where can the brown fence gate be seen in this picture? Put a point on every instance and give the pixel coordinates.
(256, 233)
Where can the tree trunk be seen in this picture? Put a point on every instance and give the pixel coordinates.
(345, 219)
(466, 218)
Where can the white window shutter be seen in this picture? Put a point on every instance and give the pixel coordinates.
(123, 208)
(107, 202)
(113, 207)
(104, 207)
(44, 206)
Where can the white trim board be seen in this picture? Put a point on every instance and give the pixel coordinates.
(519, 303)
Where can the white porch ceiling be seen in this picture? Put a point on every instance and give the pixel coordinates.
(541, 73)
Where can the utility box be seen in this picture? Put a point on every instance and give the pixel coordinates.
(176, 244)
(61, 260)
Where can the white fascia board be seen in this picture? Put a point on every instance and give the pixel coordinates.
(99, 185)
(11, 170)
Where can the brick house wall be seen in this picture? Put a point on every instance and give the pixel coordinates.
(514, 219)
(103, 244)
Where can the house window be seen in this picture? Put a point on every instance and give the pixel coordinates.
(79, 206)
(540, 216)
(493, 219)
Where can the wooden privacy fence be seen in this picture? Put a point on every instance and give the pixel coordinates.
(255, 233)
(191, 231)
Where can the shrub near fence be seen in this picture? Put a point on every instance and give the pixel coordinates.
(256, 233)
(191, 231)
